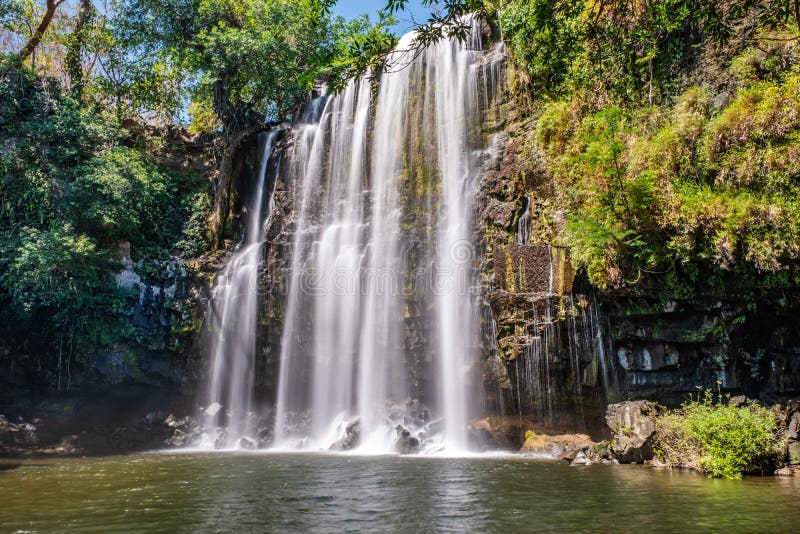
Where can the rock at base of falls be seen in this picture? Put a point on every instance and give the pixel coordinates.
(213, 409)
(498, 432)
(565, 446)
(633, 426)
(405, 443)
(247, 443)
(581, 459)
(788, 471)
(351, 439)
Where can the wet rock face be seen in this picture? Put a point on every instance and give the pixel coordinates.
(500, 213)
(351, 439)
(405, 443)
(659, 347)
(788, 417)
(533, 269)
(665, 349)
(16, 435)
(633, 426)
(495, 372)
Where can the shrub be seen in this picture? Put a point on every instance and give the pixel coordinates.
(716, 438)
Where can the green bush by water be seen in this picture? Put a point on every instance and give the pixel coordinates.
(720, 439)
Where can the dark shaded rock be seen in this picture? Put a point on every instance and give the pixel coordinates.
(738, 400)
(18, 435)
(495, 372)
(406, 443)
(600, 452)
(499, 213)
(633, 426)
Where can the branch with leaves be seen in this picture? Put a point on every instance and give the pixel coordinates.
(36, 38)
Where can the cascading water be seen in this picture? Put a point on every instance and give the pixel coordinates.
(232, 323)
(567, 354)
(524, 224)
(383, 238)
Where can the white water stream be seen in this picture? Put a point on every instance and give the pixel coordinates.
(377, 173)
(233, 318)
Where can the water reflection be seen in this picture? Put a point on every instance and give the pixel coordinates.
(329, 493)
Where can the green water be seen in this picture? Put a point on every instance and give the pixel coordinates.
(320, 493)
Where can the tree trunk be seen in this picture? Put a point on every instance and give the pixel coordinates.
(219, 215)
(36, 38)
(797, 15)
(74, 47)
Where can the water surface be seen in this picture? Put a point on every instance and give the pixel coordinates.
(337, 493)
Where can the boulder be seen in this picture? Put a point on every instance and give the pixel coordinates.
(563, 446)
(581, 459)
(633, 427)
(213, 409)
(406, 443)
(185, 431)
(351, 439)
(247, 443)
(793, 428)
(501, 432)
(788, 471)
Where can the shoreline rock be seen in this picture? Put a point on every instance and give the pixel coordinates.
(632, 424)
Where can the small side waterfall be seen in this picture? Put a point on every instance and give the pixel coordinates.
(524, 223)
(565, 356)
(232, 321)
(380, 338)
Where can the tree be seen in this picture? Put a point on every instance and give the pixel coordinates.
(36, 38)
(83, 18)
(251, 61)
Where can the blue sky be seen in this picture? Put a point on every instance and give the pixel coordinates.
(353, 8)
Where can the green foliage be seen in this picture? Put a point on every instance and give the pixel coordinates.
(54, 268)
(121, 196)
(623, 50)
(72, 187)
(544, 37)
(720, 439)
(358, 45)
(446, 19)
(243, 59)
(195, 238)
(658, 194)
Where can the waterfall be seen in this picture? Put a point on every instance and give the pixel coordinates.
(524, 224)
(566, 355)
(232, 321)
(381, 331)
(456, 94)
